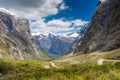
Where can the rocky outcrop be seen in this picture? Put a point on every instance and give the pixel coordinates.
(78, 39)
(104, 31)
(15, 39)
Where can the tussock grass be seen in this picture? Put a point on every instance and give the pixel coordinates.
(87, 59)
(34, 70)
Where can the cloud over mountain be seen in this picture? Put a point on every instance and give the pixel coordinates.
(38, 10)
(33, 8)
(57, 26)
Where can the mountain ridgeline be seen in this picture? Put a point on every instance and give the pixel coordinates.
(104, 31)
(102, 34)
(15, 39)
(60, 45)
(55, 45)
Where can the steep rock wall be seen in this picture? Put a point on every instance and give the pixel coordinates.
(16, 41)
(104, 31)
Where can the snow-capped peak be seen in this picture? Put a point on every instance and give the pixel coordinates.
(102, 1)
(39, 33)
(7, 11)
(74, 35)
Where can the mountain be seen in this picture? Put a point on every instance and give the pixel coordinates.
(59, 45)
(56, 45)
(16, 41)
(79, 38)
(104, 31)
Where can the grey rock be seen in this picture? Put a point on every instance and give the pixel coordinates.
(55, 45)
(104, 31)
(16, 41)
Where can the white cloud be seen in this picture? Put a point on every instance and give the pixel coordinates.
(38, 10)
(59, 23)
(55, 26)
(79, 22)
(63, 6)
(32, 9)
(49, 27)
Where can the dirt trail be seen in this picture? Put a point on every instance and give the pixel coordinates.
(53, 65)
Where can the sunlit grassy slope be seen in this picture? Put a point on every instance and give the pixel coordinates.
(87, 59)
(85, 68)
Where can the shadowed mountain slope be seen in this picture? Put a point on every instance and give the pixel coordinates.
(104, 31)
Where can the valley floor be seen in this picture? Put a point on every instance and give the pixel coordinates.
(69, 67)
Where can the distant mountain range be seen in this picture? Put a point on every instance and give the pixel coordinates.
(17, 42)
(59, 45)
(101, 34)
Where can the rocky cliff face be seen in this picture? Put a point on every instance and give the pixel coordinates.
(104, 31)
(78, 39)
(15, 39)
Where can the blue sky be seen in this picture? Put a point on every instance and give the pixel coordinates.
(78, 9)
(52, 16)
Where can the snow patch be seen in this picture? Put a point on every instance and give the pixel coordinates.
(7, 11)
(74, 35)
(39, 33)
(102, 1)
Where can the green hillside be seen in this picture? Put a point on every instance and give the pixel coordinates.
(35, 70)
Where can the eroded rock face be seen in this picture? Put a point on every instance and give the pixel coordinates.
(15, 38)
(104, 31)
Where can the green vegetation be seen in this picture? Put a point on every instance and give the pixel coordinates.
(34, 69)
(87, 59)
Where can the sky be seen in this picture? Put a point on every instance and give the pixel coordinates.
(52, 16)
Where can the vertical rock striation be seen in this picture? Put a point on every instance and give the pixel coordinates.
(104, 31)
(15, 39)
